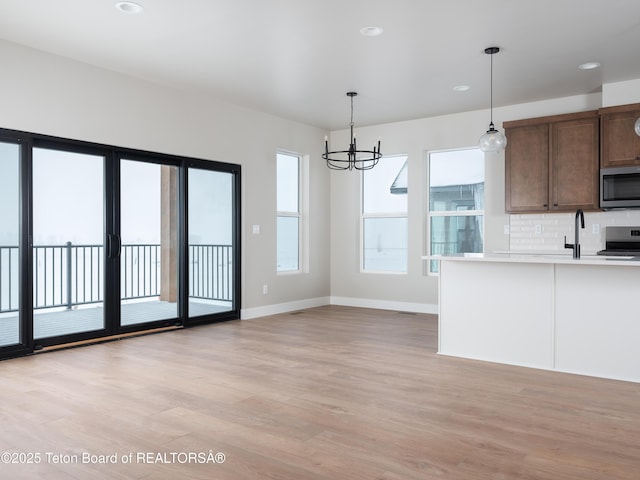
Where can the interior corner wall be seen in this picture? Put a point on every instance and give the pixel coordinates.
(416, 290)
(52, 95)
(621, 93)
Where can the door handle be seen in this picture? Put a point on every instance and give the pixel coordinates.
(113, 245)
(118, 246)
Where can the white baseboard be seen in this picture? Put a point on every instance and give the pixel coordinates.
(385, 305)
(249, 313)
(256, 312)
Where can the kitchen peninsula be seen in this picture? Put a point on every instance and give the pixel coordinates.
(543, 311)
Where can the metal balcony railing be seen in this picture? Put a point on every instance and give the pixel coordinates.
(9, 262)
(211, 272)
(444, 248)
(70, 275)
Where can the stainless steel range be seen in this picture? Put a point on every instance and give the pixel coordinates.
(624, 241)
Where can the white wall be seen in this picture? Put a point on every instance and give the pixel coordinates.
(621, 93)
(51, 95)
(415, 290)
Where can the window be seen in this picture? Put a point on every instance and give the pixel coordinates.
(456, 203)
(288, 216)
(384, 216)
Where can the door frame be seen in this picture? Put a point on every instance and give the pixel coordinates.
(155, 159)
(235, 171)
(50, 143)
(111, 208)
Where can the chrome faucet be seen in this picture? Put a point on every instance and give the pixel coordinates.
(576, 244)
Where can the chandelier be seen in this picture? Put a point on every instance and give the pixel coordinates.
(351, 158)
(493, 140)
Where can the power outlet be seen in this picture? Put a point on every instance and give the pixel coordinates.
(265, 289)
(595, 228)
(538, 229)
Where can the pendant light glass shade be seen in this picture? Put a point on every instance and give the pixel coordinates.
(493, 140)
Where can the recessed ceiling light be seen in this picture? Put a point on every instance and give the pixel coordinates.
(129, 7)
(589, 66)
(461, 88)
(371, 31)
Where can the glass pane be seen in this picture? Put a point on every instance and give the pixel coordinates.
(68, 232)
(456, 180)
(287, 187)
(620, 187)
(385, 244)
(385, 186)
(288, 244)
(210, 242)
(9, 241)
(149, 231)
(456, 234)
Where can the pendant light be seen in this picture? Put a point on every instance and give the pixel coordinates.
(351, 158)
(493, 140)
(637, 127)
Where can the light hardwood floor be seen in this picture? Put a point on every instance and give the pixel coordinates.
(323, 394)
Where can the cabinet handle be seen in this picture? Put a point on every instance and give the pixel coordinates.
(545, 205)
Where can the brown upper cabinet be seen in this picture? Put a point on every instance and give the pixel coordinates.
(552, 163)
(620, 146)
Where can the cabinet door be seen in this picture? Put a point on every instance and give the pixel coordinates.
(527, 168)
(575, 164)
(620, 144)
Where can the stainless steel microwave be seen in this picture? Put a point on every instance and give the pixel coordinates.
(620, 187)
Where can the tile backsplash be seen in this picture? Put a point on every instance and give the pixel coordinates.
(544, 233)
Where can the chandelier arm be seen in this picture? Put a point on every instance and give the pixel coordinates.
(374, 155)
(348, 159)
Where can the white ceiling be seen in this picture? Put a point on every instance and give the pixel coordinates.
(298, 58)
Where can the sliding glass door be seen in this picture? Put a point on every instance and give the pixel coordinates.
(212, 240)
(98, 241)
(68, 251)
(10, 331)
(149, 220)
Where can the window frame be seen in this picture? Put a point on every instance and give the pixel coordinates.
(429, 214)
(301, 213)
(388, 215)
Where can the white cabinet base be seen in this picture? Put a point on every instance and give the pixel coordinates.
(598, 321)
(573, 318)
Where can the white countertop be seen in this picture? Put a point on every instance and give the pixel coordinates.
(522, 257)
